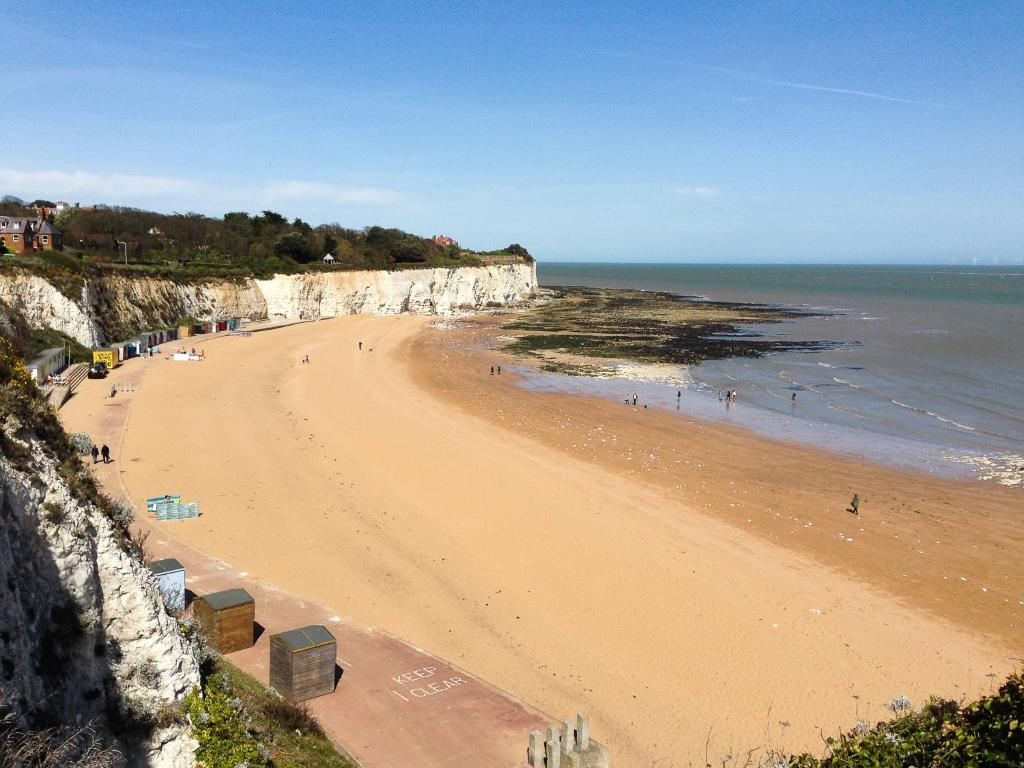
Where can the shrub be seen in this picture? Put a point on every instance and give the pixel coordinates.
(193, 634)
(52, 747)
(53, 512)
(220, 725)
(294, 717)
(988, 733)
(81, 442)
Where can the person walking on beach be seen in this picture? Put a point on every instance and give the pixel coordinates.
(360, 346)
(105, 452)
(492, 370)
(855, 505)
(794, 397)
(634, 398)
(499, 370)
(95, 453)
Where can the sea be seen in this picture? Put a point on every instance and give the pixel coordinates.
(927, 374)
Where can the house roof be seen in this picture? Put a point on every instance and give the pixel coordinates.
(169, 565)
(46, 228)
(229, 598)
(304, 638)
(15, 223)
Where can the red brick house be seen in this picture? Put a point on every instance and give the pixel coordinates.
(23, 235)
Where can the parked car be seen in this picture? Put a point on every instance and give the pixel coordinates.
(98, 371)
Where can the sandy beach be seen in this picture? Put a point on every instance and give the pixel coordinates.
(671, 578)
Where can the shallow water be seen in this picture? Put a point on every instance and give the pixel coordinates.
(929, 374)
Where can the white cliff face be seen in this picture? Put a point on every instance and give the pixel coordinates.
(423, 291)
(83, 632)
(146, 302)
(43, 306)
(115, 307)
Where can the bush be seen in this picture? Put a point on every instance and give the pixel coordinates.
(294, 717)
(52, 747)
(220, 725)
(988, 733)
(81, 442)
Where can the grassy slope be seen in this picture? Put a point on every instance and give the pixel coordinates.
(289, 746)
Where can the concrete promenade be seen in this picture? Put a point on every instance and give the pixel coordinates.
(394, 704)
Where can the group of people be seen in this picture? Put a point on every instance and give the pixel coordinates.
(305, 358)
(492, 370)
(98, 452)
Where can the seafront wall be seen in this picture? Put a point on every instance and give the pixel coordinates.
(117, 306)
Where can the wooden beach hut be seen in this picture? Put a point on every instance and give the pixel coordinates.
(227, 619)
(170, 578)
(302, 662)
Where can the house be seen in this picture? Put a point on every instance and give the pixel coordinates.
(16, 234)
(23, 235)
(48, 238)
(328, 259)
(446, 240)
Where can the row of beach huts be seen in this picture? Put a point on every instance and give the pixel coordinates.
(53, 361)
(302, 660)
(149, 341)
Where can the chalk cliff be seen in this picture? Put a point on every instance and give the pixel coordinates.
(423, 291)
(42, 305)
(83, 633)
(117, 306)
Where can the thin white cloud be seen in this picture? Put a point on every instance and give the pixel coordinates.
(129, 189)
(105, 186)
(702, 193)
(844, 91)
(750, 77)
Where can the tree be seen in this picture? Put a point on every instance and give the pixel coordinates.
(330, 244)
(293, 246)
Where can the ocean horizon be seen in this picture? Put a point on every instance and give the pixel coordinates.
(925, 372)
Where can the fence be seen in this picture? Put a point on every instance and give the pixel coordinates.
(177, 511)
(151, 503)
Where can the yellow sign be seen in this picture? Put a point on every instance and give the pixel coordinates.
(105, 356)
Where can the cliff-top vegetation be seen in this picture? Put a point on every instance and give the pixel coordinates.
(189, 245)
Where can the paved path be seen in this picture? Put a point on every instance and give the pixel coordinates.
(394, 705)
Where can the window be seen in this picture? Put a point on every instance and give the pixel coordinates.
(15, 238)
(46, 238)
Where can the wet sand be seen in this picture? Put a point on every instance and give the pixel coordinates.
(408, 488)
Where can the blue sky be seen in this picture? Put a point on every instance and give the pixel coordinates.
(854, 132)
